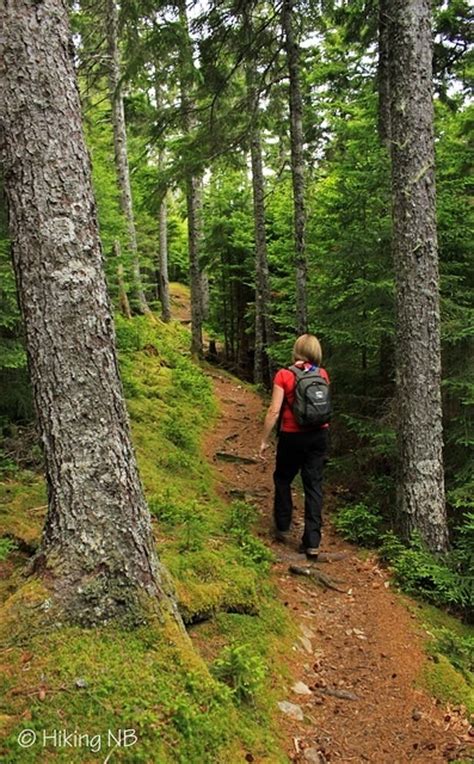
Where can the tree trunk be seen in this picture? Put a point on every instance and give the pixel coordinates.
(193, 202)
(162, 275)
(421, 487)
(383, 74)
(205, 296)
(244, 296)
(120, 144)
(264, 333)
(124, 304)
(163, 263)
(264, 330)
(193, 185)
(297, 166)
(97, 552)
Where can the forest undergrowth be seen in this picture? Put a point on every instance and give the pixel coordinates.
(184, 708)
(214, 704)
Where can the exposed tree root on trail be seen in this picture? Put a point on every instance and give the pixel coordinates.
(319, 577)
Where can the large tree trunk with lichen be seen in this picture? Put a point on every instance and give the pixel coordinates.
(97, 552)
(297, 165)
(193, 183)
(120, 145)
(421, 500)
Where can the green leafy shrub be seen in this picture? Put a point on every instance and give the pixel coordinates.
(129, 334)
(462, 558)
(189, 382)
(242, 516)
(141, 334)
(424, 574)
(255, 552)
(392, 547)
(179, 432)
(188, 518)
(194, 528)
(165, 508)
(359, 524)
(241, 520)
(242, 669)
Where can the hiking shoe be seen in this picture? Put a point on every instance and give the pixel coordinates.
(309, 551)
(282, 536)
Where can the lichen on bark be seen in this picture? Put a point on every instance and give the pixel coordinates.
(421, 499)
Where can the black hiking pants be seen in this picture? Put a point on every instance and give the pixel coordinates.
(303, 451)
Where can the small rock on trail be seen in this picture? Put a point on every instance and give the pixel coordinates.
(292, 710)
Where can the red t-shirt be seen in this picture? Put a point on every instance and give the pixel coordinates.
(287, 381)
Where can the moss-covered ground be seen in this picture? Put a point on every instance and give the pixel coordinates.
(450, 674)
(208, 699)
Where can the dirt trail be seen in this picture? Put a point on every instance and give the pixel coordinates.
(362, 645)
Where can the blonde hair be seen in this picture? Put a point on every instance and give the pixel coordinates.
(307, 348)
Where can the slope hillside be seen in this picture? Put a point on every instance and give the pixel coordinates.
(279, 667)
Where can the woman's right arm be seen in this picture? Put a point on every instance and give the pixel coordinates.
(271, 418)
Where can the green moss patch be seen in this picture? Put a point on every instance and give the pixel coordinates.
(442, 680)
(22, 508)
(449, 675)
(190, 700)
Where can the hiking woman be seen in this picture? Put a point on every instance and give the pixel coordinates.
(300, 448)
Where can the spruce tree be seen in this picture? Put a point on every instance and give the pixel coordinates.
(97, 552)
(421, 499)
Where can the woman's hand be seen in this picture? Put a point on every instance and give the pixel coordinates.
(263, 448)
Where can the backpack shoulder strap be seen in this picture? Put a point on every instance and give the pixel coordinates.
(303, 373)
(299, 373)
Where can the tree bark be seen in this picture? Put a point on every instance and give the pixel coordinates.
(193, 186)
(264, 330)
(205, 294)
(193, 203)
(421, 499)
(163, 262)
(97, 552)
(162, 274)
(124, 304)
(264, 333)
(383, 74)
(120, 144)
(297, 165)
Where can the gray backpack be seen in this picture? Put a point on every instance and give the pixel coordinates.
(312, 405)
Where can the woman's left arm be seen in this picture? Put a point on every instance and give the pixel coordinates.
(271, 418)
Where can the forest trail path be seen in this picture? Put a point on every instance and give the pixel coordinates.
(364, 643)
